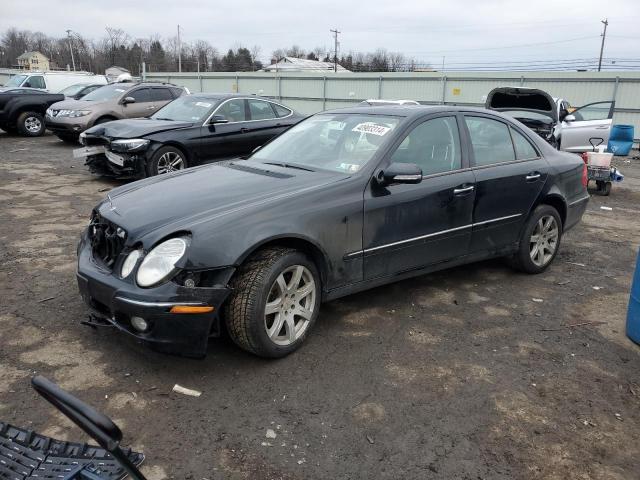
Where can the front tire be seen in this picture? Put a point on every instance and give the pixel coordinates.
(166, 160)
(275, 302)
(30, 124)
(540, 240)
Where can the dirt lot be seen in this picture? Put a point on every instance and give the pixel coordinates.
(459, 374)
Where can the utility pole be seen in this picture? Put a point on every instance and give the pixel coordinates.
(335, 48)
(179, 51)
(73, 62)
(605, 22)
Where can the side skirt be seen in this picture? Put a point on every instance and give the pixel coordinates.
(379, 281)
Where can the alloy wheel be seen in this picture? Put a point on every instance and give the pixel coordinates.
(290, 305)
(33, 124)
(170, 162)
(544, 240)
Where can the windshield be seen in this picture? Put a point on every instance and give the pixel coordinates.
(72, 90)
(185, 109)
(108, 92)
(15, 81)
(338, 142)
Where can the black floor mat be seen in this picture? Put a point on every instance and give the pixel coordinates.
(25, 455)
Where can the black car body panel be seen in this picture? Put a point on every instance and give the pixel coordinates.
(14, 101)
(359, 233)
(200, 141)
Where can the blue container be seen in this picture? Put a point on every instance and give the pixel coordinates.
(633, 314)
(620, 139)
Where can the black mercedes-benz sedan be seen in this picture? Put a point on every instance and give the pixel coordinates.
(344, 201)
(189, 131)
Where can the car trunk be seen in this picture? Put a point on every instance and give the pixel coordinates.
(535, 108)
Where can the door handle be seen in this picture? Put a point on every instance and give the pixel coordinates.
(463, 190)
(244, 130)
(532, 176)
(602, 127)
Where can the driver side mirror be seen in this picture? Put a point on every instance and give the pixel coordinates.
(399, 173)
(217, 119)
(570, 118)
(127, 100)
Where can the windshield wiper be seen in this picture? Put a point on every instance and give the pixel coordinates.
(288, 165)
(159, 118)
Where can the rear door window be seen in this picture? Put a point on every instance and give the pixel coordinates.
(161, 95)
(281, 111)
(260, 110)
(524, 149)
(490, 140)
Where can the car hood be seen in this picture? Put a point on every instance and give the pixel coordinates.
(73, 104)
(135, 128)
(191, 199)
(505, 99)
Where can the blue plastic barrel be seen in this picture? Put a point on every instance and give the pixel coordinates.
(633, 314)
(620, 139)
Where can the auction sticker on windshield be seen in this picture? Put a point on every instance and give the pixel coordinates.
(372, 128)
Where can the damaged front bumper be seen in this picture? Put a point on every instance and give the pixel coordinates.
(146, 313)
(126, 166)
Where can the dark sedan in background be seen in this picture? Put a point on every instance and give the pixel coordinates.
(189, 131)
(343, 201)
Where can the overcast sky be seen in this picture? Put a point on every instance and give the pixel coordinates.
(460, 30)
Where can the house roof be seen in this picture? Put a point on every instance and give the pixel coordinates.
(27, 55)
(293, 64)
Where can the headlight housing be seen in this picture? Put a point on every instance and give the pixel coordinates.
(130, 145)
(129, 263)
(161, 261)
(79, 113)
(73, 113)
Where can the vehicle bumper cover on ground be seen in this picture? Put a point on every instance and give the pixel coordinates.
(113, 301)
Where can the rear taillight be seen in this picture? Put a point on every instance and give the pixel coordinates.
(585, 177)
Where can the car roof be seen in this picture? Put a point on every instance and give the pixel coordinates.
(408, 110)
(225, 96)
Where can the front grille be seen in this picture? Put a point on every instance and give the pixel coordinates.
(107, 240)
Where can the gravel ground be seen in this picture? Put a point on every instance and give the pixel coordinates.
(459, 374)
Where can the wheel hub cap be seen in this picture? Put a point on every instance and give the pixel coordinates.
(290, 305)
(170, 162)
(544, 241)
(32, 124)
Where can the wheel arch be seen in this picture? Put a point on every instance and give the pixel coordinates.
(557, 201)
(179, 146)
(102, 117)
(298, 242)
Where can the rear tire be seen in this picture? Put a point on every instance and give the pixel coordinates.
(539, 241)
(30, 124)
(166, 160)
(275, 302)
